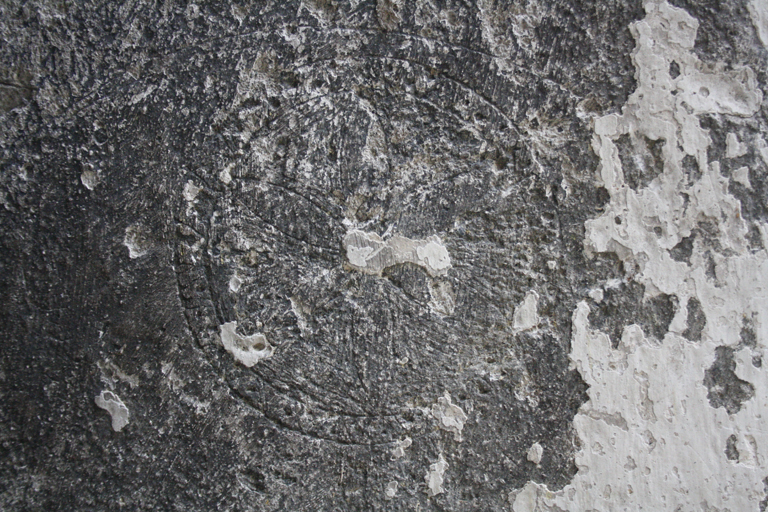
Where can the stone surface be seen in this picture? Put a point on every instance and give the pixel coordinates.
(383, 255)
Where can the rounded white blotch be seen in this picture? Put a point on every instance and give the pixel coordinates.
(249, 350)
(225, 175)
(390, 491)
(190, 191)
(357, 255)
(435, 255)
(526, 314)
(535, 452)
(90, 178)
(450, 417)
(435, 476)
(235, 283)
(399, 450)
(111, 403)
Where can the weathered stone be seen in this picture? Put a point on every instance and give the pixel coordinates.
(383, 255)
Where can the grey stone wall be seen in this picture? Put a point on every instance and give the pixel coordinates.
(383, 255)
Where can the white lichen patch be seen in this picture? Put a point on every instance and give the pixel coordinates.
(449, 416)
(248, 350)
(400, 447)
(111, 403)
(527, 313)
(535, 453)
(436, 476)
(369, 253)
(650, 438)
(137, 240)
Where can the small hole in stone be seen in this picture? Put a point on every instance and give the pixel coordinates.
(658, 231)
(704, 92)
(617, 220)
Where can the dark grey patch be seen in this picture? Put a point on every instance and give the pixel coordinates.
(710, 270)
(674, 70)
(696, 320)
(726, 389)
(15, 89)
(764, 503)
(755, 238)
(641, 159)
(253, 480)
(691, 168)
(683, 250)
(731, 452)
(625, 306)
(748, 334)
(411, 279)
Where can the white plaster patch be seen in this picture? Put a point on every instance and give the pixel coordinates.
(527, 313)
(111, 403)
(401, 446)
(758, 11)
(734, 148)
(90, 178)
(190, 191)
(249, 350)
(650, 438)
(741, 175)
(390, 491)
(226, 174)
(235, 282)
(436, 476)
(450, 417)
(369, 253)
(535, 453)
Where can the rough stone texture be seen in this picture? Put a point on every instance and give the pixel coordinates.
(383, 255)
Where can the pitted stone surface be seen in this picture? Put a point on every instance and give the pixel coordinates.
(382, 255)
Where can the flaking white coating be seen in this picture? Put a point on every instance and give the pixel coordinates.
(650, 439)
